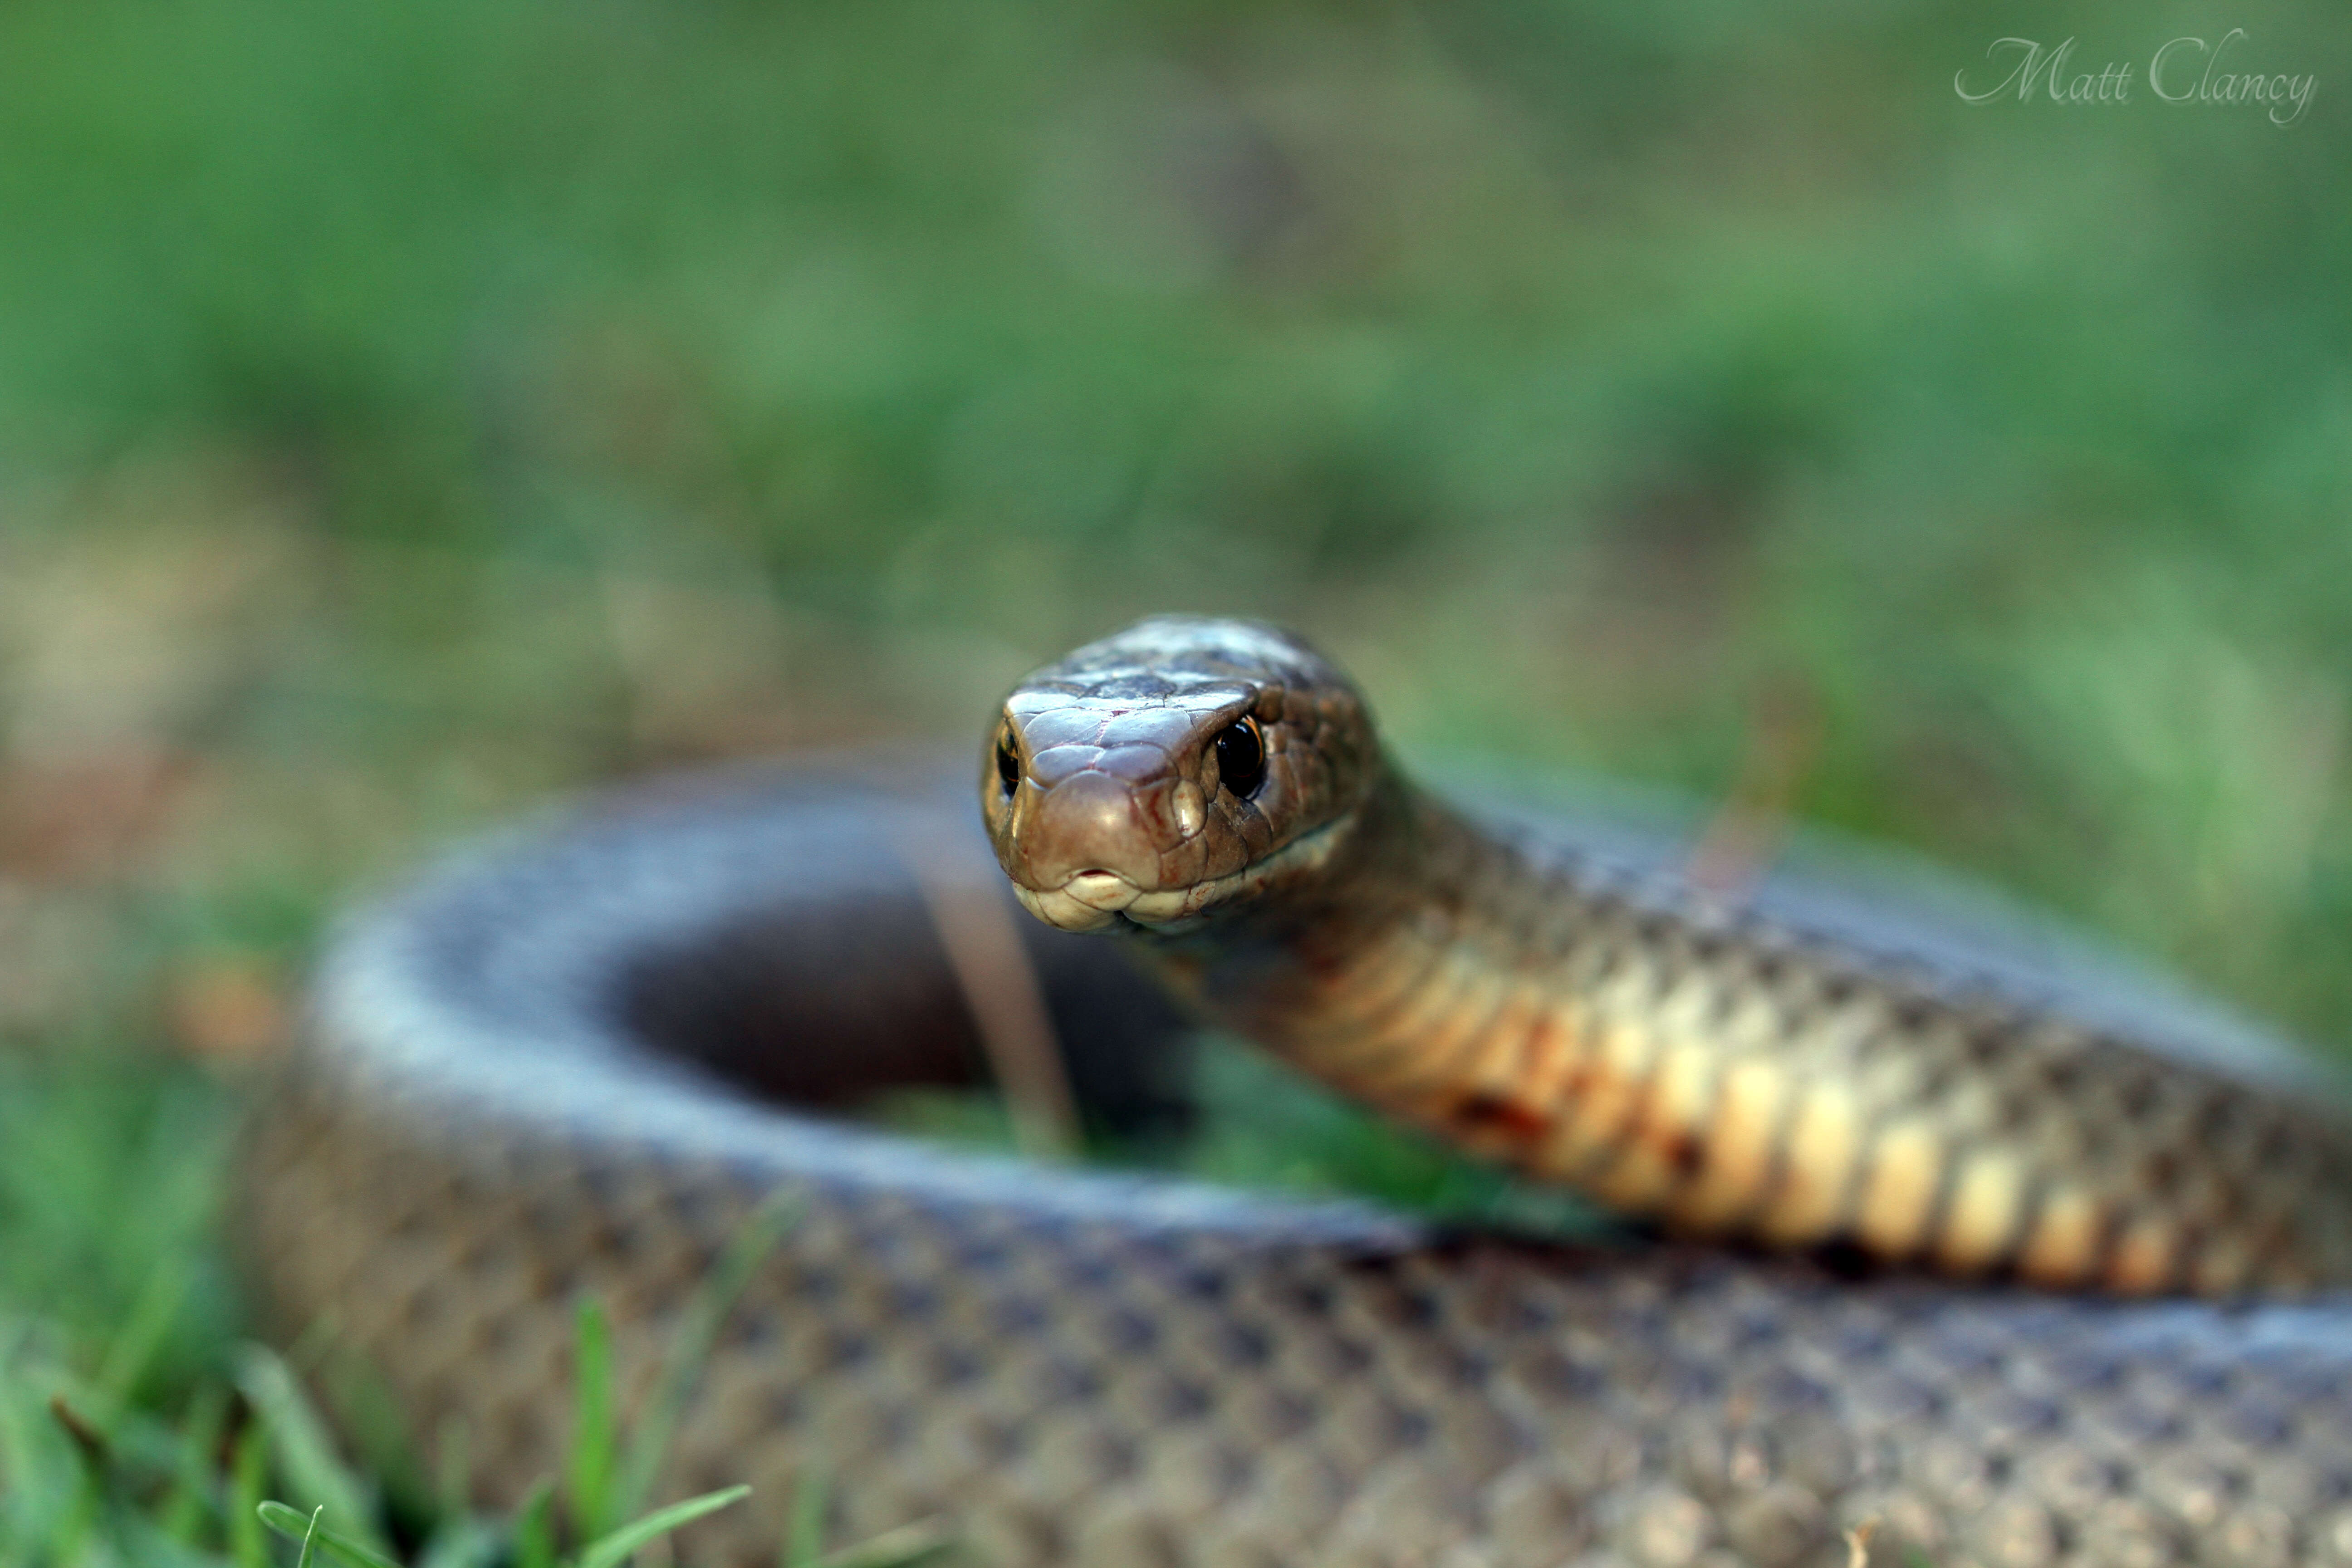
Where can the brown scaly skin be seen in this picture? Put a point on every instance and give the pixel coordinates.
(1728, 1081)
(572, 1061)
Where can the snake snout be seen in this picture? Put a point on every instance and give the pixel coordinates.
(1088, 833)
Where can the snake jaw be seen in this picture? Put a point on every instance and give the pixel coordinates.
(1100, 900)
(1090, 900)
(1063, 909)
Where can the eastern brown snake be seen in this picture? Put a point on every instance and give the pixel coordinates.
(576, 1060)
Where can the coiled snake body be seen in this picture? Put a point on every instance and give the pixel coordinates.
(571, 1065)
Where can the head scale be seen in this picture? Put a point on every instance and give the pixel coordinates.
(1184, 767)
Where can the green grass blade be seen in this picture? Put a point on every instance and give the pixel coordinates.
(690, 1351)
(596, 1440)
(246, 1544)
(304, 1449)
(804, 1535)
(134, 1539)
(383, 1457)
(615, 1549)
(189, 1503)
(295, 1525)
(453, 1485)
(133, 1347)
(39, 1472)
(535, 1529)
(94, 1461)
(904, 1547)
(460, 1543)
(310, 1537)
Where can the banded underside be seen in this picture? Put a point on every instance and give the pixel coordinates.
(1731, 1080)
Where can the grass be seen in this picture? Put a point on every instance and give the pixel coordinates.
(108, 1455)
(410, 412)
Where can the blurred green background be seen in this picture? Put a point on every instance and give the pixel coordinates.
(408, 411)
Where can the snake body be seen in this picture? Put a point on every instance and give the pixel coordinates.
(579, 1061)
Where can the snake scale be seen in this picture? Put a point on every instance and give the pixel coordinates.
(1941, 1247)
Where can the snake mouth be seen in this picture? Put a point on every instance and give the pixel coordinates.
(1098, 900)
(1089, 900)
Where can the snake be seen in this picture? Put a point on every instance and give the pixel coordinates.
(1933, 1251)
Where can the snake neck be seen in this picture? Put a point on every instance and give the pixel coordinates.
(1732, 1085)
(1426, 968)
(1433, 968)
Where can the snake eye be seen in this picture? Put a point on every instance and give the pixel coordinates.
(1008, 765)
(1241, 758)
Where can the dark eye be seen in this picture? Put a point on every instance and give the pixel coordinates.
(1008, 764)
(1241, 758)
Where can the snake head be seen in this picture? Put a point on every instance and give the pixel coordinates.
(1182, 767)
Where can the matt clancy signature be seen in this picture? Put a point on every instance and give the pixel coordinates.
(2185, 70)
